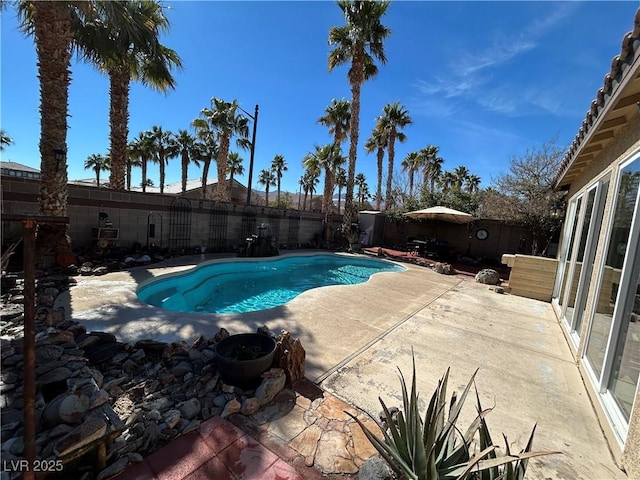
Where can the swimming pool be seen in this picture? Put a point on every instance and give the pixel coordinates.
(241, 286)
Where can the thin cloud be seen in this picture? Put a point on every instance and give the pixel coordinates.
(469, 75)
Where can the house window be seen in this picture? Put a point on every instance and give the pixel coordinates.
(613, 345)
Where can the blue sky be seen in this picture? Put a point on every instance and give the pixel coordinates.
(484, 81)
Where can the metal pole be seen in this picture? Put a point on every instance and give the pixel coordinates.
(253, 149)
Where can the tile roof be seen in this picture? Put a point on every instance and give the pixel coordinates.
(614, 104)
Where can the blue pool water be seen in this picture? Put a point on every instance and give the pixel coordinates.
(248, 286)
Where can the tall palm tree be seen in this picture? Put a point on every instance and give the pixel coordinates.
(50, 25)
(472, 183)
(447, 180)
(268, 179)
(5, 140)
(411, 164)
(337, 118)
(394, 118)
(205, 149)
(234, 167)
(359, 42)
(341, 182)
(141, 147)
(432, 164)
(461, 173)
(184, 143)
(378, 141)
(363, 188)
(132, 161)
(164, 148)
(309, 181)
(97, 163)
(278, 165)
(225, 123)
(125, 44)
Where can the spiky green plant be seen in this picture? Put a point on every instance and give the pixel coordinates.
(434, 448)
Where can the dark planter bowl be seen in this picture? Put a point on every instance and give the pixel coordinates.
(242, 358)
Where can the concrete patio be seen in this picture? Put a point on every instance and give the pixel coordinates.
(355, 337)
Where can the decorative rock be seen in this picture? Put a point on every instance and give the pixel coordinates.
(190, 408)
(114, 469)
(250, 406)
(73, 407)
(233, 406)
(221, 335)
(273, 381)
(90, 430)
(488, 276)
(375, 468)
(191, 426)
(444, 268)
(172, 417)
(290, 357)
(54, 337)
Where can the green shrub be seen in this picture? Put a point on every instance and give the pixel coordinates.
(433, 447)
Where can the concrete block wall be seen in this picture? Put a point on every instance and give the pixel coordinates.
(131, 212)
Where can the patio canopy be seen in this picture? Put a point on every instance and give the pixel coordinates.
(441, 213)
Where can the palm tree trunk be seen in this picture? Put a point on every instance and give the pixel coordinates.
(278, 197)
(205, 174)
(380, 156)
(411, 172)
(353, 149)
(144, 174)
(266, 197)
(162, 171)
(129, 167)
(392, 154)
(221, 160)
(52, 26)
(119, 80)
(185, 168)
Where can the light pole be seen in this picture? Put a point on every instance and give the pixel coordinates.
(253, 149)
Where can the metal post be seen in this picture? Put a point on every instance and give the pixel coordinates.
(253, 149)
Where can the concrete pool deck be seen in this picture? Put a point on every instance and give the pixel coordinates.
(355, 336)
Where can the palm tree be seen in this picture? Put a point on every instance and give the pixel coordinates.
(412, 163)
(125, 44)
(205, 149)
(164, 148)
(378, 141)
(97, 163)
(447, 180)
(394, 118)
(50, 25)
(309, 181)
(337, 118)
(185, 142)
(472, 183)
(359, 43)
(132, 161)
(224, 123)
(234, 167)
(268, 179)
(5, 140)
(278, 165)
(142, 148)
(432, 164)
(363, 188)
(341, 181)
(461, 173)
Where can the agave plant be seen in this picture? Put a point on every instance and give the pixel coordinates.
(434, 448)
